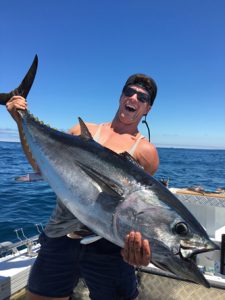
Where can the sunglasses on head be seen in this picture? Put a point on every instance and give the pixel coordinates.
(142, 97)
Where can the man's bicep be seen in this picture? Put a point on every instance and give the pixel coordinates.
(149, 159)
(153, 162)
(75, 130)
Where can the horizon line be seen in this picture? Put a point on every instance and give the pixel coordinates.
(157, 145)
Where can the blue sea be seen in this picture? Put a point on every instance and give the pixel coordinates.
(25, 204)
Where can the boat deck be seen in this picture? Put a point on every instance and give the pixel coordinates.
(208, 208)
(14, 271)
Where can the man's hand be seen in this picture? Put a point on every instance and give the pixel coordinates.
(136, 251)
(16, 102)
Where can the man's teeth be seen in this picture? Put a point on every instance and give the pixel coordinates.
(130, 107)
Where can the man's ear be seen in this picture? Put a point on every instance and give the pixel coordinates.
(148, 108)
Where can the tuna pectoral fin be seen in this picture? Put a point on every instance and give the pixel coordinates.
(29, 177)
(90, 239)
(107, 185)
(25, 86)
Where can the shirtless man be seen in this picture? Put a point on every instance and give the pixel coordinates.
(107, 269)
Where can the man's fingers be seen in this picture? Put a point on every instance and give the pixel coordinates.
(17, 99)
(146, 252)
(16, 102)
(136, 251)
(128, 252)
(124, 251)
(131, 250)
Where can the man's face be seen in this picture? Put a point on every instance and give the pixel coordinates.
(132, 109)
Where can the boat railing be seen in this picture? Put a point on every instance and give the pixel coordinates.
(24, 242)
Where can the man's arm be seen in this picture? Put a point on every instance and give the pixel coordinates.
(15, 103)
(75, 130)
(137, 251)
(147, 156)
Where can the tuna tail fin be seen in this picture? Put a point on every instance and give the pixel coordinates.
(25, 86)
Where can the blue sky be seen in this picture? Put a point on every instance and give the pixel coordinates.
(87, 49)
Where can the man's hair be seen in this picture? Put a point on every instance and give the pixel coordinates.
(145, 82)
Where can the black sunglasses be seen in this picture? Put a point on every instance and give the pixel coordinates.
(128, 92)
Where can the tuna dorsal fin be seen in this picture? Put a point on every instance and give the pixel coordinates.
(85, 133)
(107, 185)
(126, 155)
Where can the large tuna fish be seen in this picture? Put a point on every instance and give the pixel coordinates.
(112, 195)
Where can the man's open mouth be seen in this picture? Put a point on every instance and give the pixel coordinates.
(130, 107)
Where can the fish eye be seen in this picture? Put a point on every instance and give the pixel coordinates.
(181, 228)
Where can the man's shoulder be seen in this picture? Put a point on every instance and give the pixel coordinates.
(146, 145)
(75, 130)
(147, 155)
(91, 125)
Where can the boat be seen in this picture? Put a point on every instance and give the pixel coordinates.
(17, 258)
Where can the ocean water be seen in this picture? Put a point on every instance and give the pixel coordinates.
(25, 204)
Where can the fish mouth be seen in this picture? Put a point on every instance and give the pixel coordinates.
(186, 258)
(180, 259)
(189, 249)
(182, 268)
